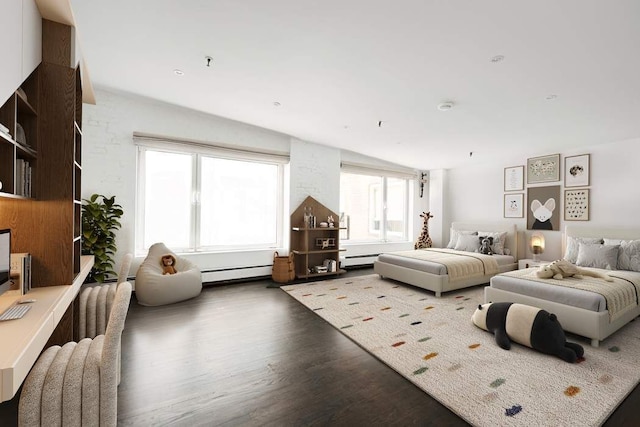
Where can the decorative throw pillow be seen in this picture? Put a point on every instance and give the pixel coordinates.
(571, 251)
(628, 254)
(454, 236)
(499, 240)
(598, 256)
(467, 243)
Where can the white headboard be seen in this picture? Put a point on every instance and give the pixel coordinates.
(511, 229)
(602, 232)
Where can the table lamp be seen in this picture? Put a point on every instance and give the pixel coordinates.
(537, 245)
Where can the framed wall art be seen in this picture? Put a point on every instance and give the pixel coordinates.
(543, 169)
(576, 205)
(543, 208)
(576, 171)
(514, 205)
(514, 178)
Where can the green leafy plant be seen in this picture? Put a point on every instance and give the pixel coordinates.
(100, 219)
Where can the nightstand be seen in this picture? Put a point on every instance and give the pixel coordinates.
(528, 263)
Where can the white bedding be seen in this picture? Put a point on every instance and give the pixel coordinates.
(579, 311)
(588, 293)
(435, 276)
(433, 267)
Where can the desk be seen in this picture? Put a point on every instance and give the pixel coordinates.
(22, 340)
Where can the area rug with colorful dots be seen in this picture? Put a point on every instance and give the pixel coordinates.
(433, 343)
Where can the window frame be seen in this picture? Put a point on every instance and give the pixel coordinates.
(384, 174)
(197, 152)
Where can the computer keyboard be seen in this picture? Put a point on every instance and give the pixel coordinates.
(14, 312)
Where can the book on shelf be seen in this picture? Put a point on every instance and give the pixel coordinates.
(23, 178)
(4, 129)
(20, 273)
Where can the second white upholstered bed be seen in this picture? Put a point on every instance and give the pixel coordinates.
(580, 311)
(434, 276)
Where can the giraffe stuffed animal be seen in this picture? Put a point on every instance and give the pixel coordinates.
(424, 241)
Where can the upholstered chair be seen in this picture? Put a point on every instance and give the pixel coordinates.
(95, 303)
(77, 384)
(153, 288)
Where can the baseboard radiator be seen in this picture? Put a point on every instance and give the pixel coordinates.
(95, 307)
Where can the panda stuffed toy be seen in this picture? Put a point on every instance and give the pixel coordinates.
(528, 326)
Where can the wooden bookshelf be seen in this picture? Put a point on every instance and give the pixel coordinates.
(312, 245)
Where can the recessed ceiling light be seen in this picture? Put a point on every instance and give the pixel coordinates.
(552, 96)
(445, 106)
(276, 104)
(178, 72)
(497, 58)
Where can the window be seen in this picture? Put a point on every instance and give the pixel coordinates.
(200, 201)
(374, 205)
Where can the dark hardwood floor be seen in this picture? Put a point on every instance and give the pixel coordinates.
(246, 354)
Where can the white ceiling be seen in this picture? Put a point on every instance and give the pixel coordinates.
(337, 67)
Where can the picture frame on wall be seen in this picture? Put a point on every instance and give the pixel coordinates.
(577, 170)
(576, 205)
(543, 208)
(514, 178)
(543, 169)
(514, 205)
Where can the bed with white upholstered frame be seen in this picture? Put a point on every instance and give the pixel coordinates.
(434, 276)
(579, 311)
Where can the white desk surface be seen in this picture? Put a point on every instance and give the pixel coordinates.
(22, 340)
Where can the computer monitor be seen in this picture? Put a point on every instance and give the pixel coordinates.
(5, 260)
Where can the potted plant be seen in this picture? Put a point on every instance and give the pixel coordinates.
(100, 219)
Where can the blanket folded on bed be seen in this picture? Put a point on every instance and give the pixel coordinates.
(460, 265)
(621, 294)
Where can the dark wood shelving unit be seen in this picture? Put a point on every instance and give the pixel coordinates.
(48, 106)
(307, 242)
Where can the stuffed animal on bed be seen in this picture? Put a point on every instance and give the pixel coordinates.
(526, 325)
(561, 268)
(485, 245)
(168, 263)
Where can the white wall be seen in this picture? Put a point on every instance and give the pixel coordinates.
(109, 168)
(475, 192)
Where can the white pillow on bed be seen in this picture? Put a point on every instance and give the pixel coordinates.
(598, 256)
(453, 240)
(571, 252)
(467, 243)
(628, 254)
(499, 240)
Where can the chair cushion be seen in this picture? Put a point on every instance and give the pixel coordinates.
(153, 288)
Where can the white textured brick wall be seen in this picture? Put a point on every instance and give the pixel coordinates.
(109, 165)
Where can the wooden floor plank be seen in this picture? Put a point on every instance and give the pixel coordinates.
(245, 354)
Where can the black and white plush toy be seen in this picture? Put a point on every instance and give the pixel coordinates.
(528, 326)
(485, 245)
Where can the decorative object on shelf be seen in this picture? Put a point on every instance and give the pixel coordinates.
(513, 205)
(576, 170)
(424, 241)
(514, 178)
(309, 219)
(320, 269)
(325, 242)
(537, 245)
(543, 169)
(21, 138)
(576, 205)
(100, 217)
(330, 220)
(543, 216)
